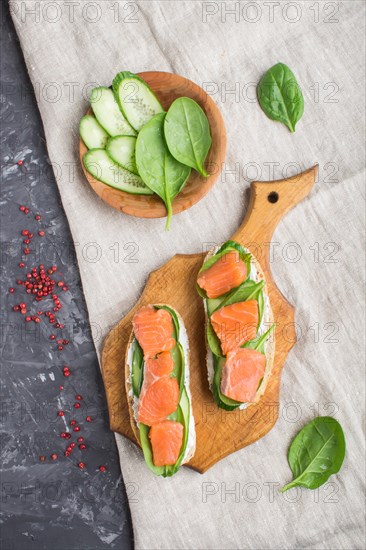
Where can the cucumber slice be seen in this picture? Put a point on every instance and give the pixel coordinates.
(108, 114)
(183, 416)
(136, 100)
(92, 134)
(221, 399)
(177, 352)
(100, 165)
(148, 452)
(122, 150)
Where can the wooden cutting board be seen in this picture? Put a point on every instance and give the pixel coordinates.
(219, 432)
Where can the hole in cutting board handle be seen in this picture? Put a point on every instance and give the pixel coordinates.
(273, 197)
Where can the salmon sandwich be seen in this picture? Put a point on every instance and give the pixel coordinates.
(239, 326)
(157, 385)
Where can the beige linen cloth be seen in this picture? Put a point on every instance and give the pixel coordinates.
(318, 257)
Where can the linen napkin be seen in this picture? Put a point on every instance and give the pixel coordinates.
(225, 47)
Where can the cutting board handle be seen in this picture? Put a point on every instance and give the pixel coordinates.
(269, 202)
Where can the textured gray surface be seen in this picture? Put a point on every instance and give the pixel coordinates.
(51, 504)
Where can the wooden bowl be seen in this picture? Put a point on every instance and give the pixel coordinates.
(168, 87)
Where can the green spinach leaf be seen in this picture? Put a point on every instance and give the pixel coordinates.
(280, 95)
(259, 342)
(137, 371)
(161, 172)
(316, 453)
(249, 290)
(187, 132)
(246, 291)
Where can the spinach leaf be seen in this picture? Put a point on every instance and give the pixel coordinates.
(259, 341)
(137, 371)
(187, 132)
(280, 95)
(248, 290)
(162, 173)
(316, 453)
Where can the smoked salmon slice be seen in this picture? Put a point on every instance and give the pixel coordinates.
(166, 442)
(226, 273)
(156, 367)
(241, 374)
(153, 329)
(235, 324)
(158, 400)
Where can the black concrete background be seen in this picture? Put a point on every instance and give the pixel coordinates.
(52, 504)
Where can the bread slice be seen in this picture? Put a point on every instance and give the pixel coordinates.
(257, 275)
(133, 400)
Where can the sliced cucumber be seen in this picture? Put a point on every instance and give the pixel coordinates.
(148, 452)
(183, 416)
(122, 150)
(92, 134)
(108, 113)
(100, 165)
(221, 399)
(136, 100)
